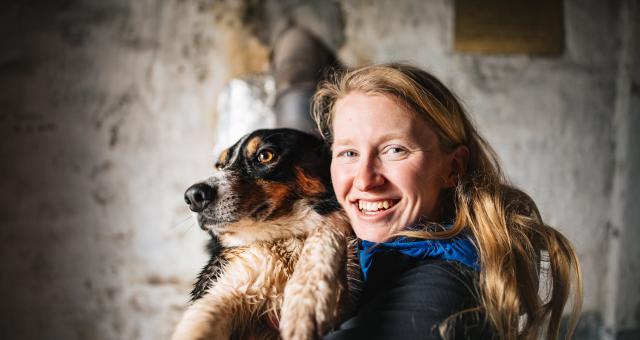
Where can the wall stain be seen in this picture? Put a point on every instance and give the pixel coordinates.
(244, 52)
(635, 89)
(101, 169)
(117, 109)
(159, 280)
(113, 135)
(103, 196)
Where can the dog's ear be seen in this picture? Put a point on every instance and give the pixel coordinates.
(316, 159)
(223, 158)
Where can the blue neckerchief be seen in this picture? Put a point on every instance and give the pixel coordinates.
(459, 249)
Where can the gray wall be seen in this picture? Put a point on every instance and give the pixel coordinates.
(109, 113)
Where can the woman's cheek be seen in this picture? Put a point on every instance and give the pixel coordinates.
(339, 181)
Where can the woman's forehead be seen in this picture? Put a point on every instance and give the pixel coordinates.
(376, 118)
(359, 105)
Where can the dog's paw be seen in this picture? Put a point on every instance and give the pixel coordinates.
(309, 310)
(298, 321)
(312, 294)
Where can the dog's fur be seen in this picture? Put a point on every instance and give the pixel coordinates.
(279, 255)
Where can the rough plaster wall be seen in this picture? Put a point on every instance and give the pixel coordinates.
(109, 115)
(623, 317)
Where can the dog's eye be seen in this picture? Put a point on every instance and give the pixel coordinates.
(265, 156)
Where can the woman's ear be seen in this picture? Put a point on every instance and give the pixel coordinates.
(458, 164)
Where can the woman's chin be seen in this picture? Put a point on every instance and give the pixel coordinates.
(371, 233)
(374, 227)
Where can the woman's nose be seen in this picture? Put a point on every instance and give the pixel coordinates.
(368, 177)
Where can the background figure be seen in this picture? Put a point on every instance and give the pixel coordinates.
(300, 60)
(279, 97)
(109, 112)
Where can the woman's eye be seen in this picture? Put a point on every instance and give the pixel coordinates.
(265, 156)
(394, 152)
(347, 154)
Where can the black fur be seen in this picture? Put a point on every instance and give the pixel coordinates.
(211, 270)
(327, 206)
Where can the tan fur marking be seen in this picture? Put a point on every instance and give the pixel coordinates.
(224, 155)
(277, 194)
(310, 186)
(252, 146)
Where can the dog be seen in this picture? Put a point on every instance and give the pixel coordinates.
(279, 252)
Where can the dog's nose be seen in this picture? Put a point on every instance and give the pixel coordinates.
(198, 196)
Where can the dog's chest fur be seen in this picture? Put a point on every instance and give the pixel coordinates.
(258, 275)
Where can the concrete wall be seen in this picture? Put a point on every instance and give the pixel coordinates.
(622, 317)
(109, 114)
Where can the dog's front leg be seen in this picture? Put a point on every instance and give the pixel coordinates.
(210, 317)
(233, 298)
(312, 294)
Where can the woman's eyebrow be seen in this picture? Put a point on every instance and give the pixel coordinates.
(343, 141)
(392, 135)
(381, 138)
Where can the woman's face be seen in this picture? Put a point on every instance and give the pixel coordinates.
(387, 167)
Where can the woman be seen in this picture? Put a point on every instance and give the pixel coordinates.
(448, 249)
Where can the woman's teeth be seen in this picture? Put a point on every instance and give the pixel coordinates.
(374, 206)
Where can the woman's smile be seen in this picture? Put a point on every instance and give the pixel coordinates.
(370, 207)
(374, 209)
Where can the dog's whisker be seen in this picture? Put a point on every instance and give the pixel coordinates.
(187, 230)
(181, 222)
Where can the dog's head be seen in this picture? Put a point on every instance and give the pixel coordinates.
(265, 187)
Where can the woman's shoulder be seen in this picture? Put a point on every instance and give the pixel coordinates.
(422, 278)
(405, 298)
(432, 286)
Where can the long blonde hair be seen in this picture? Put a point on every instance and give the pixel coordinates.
(516, 247)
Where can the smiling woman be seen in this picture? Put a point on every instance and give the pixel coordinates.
(448, 248)
(388, 170)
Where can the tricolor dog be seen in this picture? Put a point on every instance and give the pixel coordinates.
(281, 258)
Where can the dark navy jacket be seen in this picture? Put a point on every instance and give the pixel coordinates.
(406, 298)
